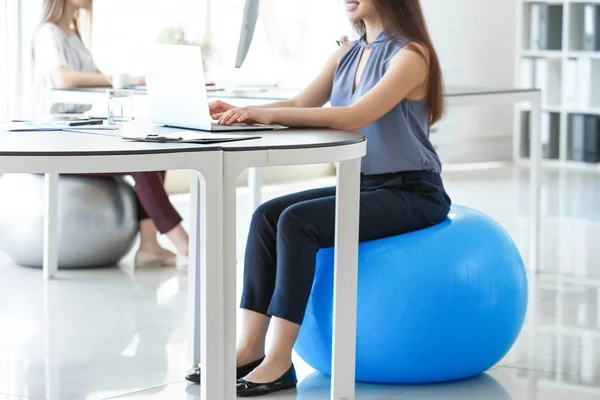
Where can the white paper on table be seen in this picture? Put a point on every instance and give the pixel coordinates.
(51, 126)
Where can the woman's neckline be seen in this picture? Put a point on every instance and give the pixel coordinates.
(380, 39)
(69, 34)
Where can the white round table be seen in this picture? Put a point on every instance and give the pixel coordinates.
(212, 272)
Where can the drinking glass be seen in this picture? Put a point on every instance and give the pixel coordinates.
(120, 106)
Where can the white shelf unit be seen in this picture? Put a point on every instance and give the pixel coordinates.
(556, 98)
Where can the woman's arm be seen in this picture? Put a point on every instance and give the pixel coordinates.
(64, 78)
(49, 56)
(316, 94)
(406, 74)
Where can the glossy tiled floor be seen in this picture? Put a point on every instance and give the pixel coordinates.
(119, 333)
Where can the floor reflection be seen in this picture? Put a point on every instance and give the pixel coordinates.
(105, 333)
(316, 386)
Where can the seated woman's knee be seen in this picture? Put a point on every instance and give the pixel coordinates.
(267, 213)
(296, 216)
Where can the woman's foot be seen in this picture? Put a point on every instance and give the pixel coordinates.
(179, 237)
(269, 370)
(242, 370)
(249, 388)
(155, 257)
(248, 354)
(150, 254)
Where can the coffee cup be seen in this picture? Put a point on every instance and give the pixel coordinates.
(120, 81)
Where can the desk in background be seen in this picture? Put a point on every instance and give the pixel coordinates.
(97, 97)
(455, 97)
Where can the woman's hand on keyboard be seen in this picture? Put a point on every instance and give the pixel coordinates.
(218, 108)
(248, 115)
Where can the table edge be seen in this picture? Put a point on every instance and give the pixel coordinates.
(493, 92)
(291, 147)
(172, 151)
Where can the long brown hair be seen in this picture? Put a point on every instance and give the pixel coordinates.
(404, 20)
(53, 10)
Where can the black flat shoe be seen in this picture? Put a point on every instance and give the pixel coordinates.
(251, 389)
(194, 375)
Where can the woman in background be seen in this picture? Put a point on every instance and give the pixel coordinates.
(62, 61)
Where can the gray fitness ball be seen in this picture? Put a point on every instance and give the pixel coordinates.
(97, 221)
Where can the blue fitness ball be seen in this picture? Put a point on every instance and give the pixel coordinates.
(439, 304)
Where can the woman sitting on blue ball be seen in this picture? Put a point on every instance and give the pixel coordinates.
(387, 85)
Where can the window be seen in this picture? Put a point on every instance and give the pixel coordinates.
(292, 41)
(3, 59)
(10, 61)
(123, 30)
(17, 24)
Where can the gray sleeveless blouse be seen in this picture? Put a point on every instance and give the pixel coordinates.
(398, 141)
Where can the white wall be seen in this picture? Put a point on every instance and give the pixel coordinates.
(11, 65)
(123, 29)
(292, 41)
(476, 42)
(4, 65)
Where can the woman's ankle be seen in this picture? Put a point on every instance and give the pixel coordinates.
(155, 250)
(149, 247)
(180, 239)
(282, 359)
(249, 354)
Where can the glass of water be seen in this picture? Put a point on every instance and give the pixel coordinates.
(120, 106)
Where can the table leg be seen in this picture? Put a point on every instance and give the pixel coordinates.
(230, 275)
(346, 277)
(254, 185)
(209, 229)
(517, 134)
(51, 226)
(535, 187)
(194, 306)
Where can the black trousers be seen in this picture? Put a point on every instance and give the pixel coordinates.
(286, 233)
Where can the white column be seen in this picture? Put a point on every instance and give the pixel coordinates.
(345, 280)
(51, 226)
(535, 187)
(194, 305)
(254, 186)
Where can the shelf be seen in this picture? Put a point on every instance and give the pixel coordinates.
(561, 109)
(569, 330)
(590, 111)
(543, 53)
(578, 1)
(563, 164)
(555, 2)
(558, 2)
(552, 109)
(566, 74)
(583, 54)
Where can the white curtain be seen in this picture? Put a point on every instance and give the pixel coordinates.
(11, 79)
(18, 21)
(4, 57)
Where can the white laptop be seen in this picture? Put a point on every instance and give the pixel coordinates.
(177, 91)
